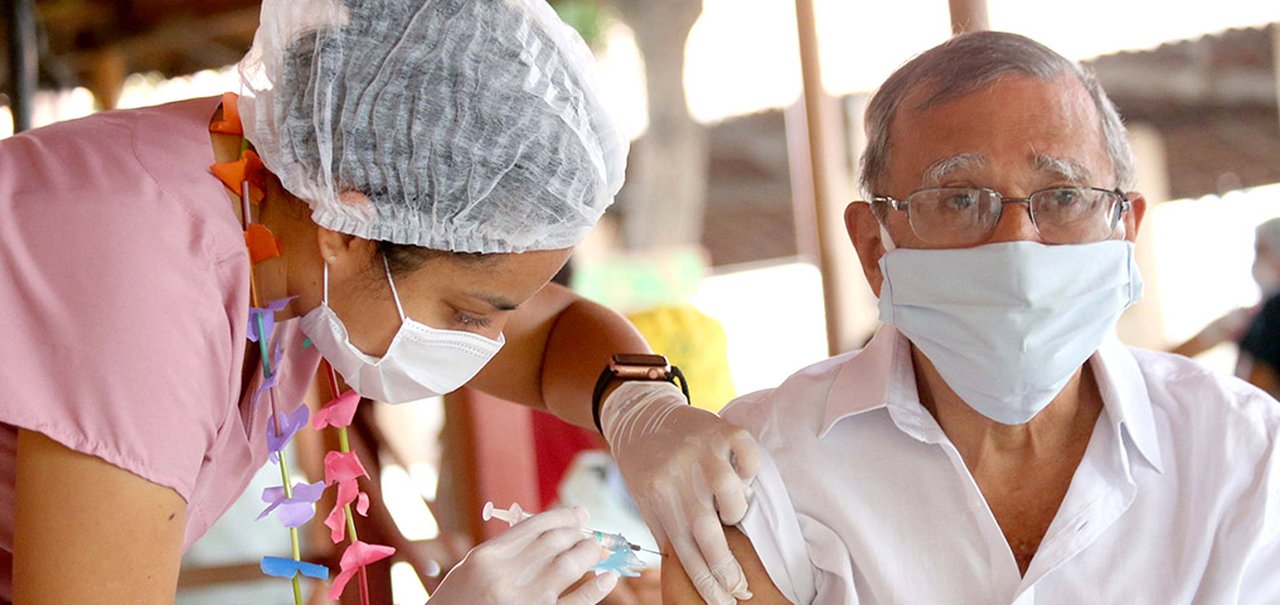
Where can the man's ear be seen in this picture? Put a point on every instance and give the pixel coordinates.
(864, 232)
(1133, 218)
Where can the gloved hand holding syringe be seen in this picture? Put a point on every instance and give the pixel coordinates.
(621, 560)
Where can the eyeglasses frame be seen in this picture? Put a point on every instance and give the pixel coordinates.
(903, 205)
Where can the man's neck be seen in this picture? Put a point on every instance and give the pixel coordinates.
(1023, 471)
(988, 446)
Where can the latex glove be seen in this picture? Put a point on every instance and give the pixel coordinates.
(684, 464)
(533, 562)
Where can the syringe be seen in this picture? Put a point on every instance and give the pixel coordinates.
(515, 514)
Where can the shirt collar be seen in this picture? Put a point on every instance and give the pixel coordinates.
(883, 377)
(1126, 399)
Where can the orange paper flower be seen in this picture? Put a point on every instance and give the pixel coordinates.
(262, 243)
(230, 122)
(249, 167)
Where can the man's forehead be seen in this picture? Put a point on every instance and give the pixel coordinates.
(1051, 166)
(1049, 126)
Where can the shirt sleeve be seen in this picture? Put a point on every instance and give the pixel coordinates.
(774, 529)
(1261, 578)
(1262, 340)
(115, 338)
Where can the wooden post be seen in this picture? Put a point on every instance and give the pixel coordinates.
(969, 16)
(821, 169)
(106, 75)
(23, 61)
(1143, 324)
(1275, 60)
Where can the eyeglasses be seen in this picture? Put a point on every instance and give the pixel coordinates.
(964, 216)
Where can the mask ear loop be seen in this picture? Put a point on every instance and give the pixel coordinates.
(394, 295)
(325, 299)
(886, 240)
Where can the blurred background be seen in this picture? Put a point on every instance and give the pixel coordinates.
(726, 246)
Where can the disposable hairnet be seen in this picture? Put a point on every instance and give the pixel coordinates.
(470, 125)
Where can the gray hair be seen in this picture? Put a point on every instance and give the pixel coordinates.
(967, 63)
(1268, 235)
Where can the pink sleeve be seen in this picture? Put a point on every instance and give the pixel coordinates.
(115, 335)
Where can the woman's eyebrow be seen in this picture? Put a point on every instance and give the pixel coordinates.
(497, 302)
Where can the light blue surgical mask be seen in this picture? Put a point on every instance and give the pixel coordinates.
(1006, 325)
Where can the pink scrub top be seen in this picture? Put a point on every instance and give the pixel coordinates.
(123, 309)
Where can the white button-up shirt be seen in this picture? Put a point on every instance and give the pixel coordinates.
(862, 498)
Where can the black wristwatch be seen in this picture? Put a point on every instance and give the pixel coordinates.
(626, 367)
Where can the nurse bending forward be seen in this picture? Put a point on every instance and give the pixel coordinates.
(428, 167)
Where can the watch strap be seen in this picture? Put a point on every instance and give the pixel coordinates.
(607, 376)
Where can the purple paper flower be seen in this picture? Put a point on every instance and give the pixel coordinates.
(268, 315)
(295, 511)
(278, 437)
(269, 381)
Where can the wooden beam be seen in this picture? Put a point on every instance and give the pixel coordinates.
(23, 61)
(821, 170)
(1275, 61)
(969, 16)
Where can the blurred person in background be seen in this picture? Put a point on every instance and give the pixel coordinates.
(1255, 329)
(1261, 341)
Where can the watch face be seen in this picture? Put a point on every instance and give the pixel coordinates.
(639, 359)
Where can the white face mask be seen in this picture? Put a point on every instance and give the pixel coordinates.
(1008, 324)
(421, 362)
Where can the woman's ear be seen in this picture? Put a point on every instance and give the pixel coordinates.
(345, 254)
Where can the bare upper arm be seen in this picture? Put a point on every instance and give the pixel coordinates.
(89, 532)
(557, 343)
(678, 590)
(515, 373)
(1262, 376)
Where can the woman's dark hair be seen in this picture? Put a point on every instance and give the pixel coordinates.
(402, 258)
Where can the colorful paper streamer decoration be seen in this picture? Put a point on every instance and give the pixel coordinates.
(267, 315)
(338, 413)
(262, 243)
(248, 168)
(357, 556)
(230, 122)
(278, 437)
(269, 381)
(344, 469)
(295, 511)
(280, 567)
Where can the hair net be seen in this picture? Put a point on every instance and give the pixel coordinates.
(470, 125)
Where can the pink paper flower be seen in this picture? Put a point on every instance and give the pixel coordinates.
(337, 413)
(356, 556)
(342, 466)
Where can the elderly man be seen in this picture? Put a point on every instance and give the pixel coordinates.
(994, 443)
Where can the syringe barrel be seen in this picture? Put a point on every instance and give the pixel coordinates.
(609, 541)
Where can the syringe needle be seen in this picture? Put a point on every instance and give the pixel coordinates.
(638, 547)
